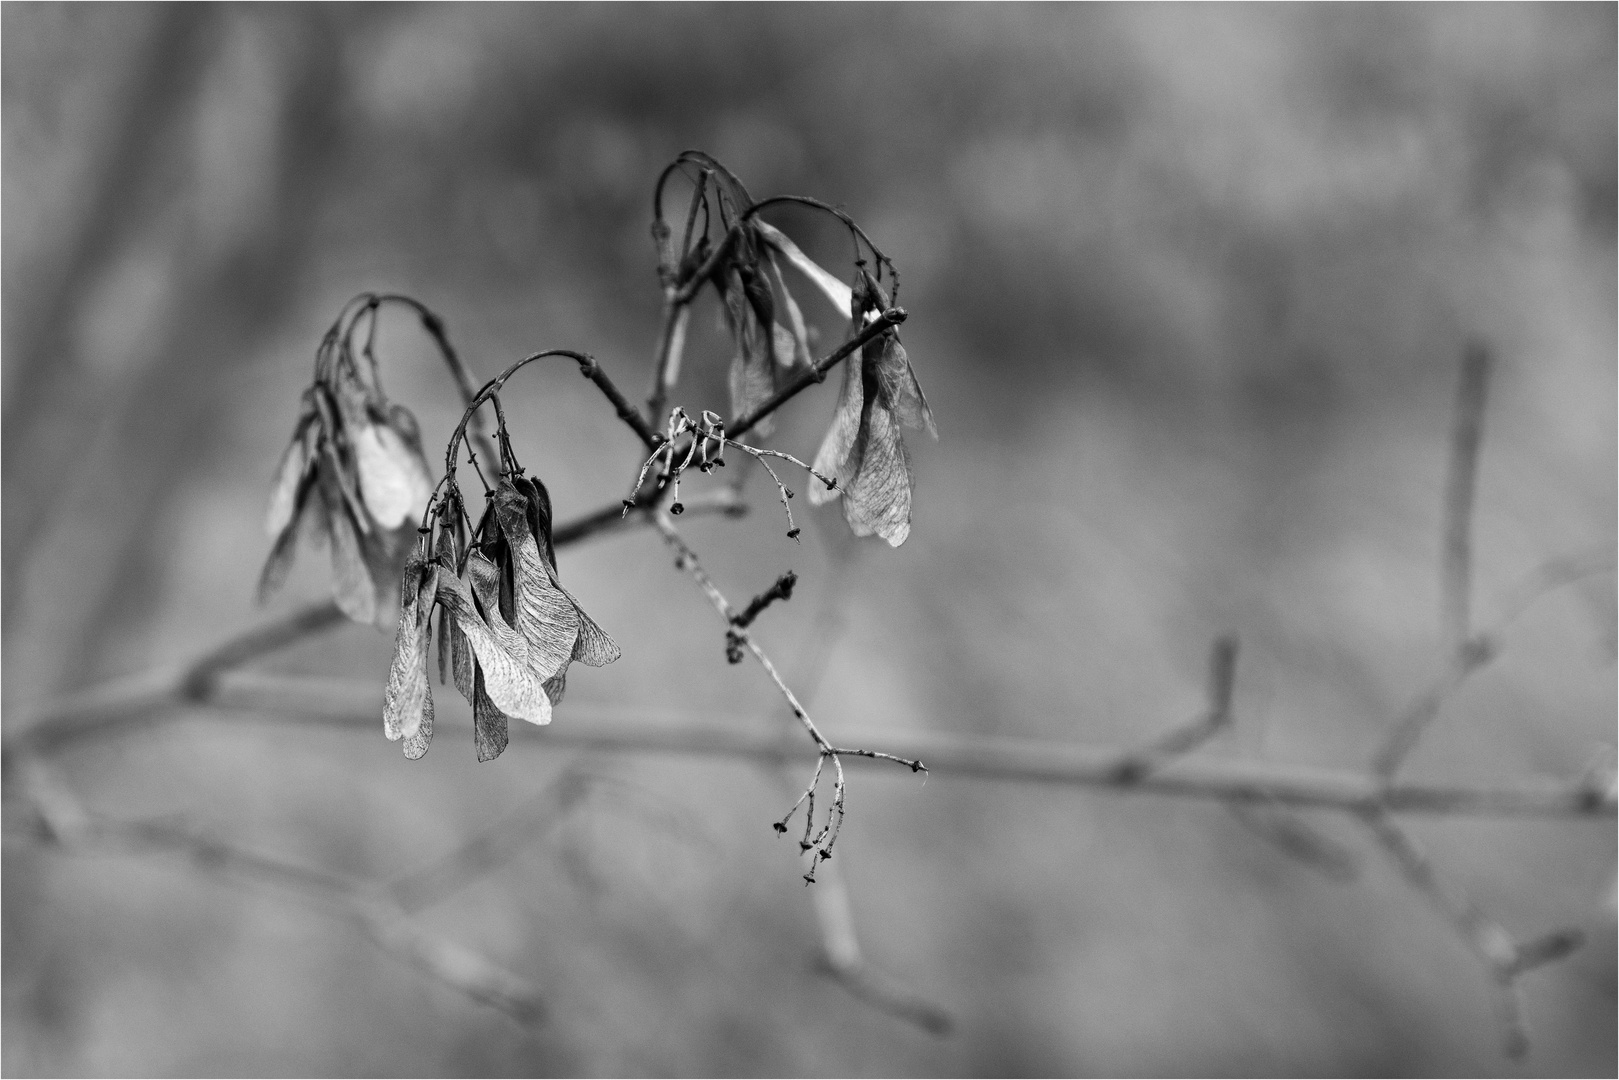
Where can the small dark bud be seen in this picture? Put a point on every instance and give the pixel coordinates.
(832, 484)
(677, 508)
(794, 533)
(826, 854)
(809, 878)
(780, 827)
(804, 845)
(719, 463)
(788, 491)
(916, 766)
(629, 504)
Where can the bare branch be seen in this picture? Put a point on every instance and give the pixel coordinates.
(1461, 483)
(117, 703)
(487, 851)
(1495, 948)
(357, 703)
(1463, 652)
(63, 821)
(1413, 723)
(741, 425)
(843, 961)
(1287, 830)
(1548, 576)
(1222, 677)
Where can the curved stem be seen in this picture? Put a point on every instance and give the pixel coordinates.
(854, 227)
(587, 367)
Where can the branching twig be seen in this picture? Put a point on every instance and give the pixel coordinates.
(1463, 653)
(1503, 956)
(355, 703)
(1222, 677)
(843, 960)
(821, 842)
(740, 425)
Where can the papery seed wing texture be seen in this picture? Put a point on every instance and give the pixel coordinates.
(835, 291)
(546, 617)
(352, 586)
(594, 646)
(286, 488)
(507, 680)
(393, 477)
(401, 672)
(489, 724)
(878, 499)
(408, 691)
(835, 458)
(900, 389)
(416, 743)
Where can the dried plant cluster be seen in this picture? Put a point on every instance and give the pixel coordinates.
(480, 603)
(480, 593)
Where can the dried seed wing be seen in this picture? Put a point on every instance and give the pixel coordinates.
(352, 587)
(443, 641)
(836, 458)
(594, 647)
(677, 345)
(337, 461)
(756, 287)
(752, 382)
(385, 554)
(795, 317)
(546, 616)
(393, 477)
(489, 724)
(279, 563)
(288, 488)
(462, 664)
(539, 516)
(836, 291)
(486, 587)
(556, 686)
(783, 347)
(878, 499)
(426, 593)
(416, 744)
(507, 680)
(407, 684)
(900, 389)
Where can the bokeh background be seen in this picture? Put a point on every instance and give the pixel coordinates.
(1188, 291)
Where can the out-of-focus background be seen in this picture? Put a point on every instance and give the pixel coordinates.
(1188, 289)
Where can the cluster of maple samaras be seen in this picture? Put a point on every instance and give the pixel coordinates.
(354, 479)
(863, 450)
(507, 629)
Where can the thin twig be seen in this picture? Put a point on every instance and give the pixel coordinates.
(741, 425)
(64, 822)
(1135, 764)
(1461, 485)
(1463, 652)
(488, 850)
(843, 960)
(823, 841)
(134, 698)
(781, 590)
(1503, 957)
(356, 704)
